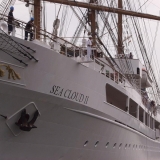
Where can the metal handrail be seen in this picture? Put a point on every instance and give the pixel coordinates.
(41, 31)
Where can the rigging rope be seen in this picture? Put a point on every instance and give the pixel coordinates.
(154, 41)
(21, 61)
(143, 50)
(151, 69)
(105, 48)
(13, 48)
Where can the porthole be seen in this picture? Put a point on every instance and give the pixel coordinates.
(133, 146)
(126, 146)
(114, 146)
(136, 146)
(107, 144)
(120, 145)
(96, 143)
(129, 145)
(85, 144)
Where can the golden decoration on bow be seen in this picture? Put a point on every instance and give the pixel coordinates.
(11, 73)
(1, 73)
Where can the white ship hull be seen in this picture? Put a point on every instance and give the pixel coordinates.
(68, 128)
(62, 133)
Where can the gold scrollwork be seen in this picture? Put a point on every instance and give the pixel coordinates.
(11, 72)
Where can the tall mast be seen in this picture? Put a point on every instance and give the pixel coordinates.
(120, 41)
(37, 17)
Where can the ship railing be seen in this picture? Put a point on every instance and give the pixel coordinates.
(67, 48)
(19, 31)
(109, 71)
(123, 56)
(77, 53)
(18, 27)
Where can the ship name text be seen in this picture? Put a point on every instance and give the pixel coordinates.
(69, 94)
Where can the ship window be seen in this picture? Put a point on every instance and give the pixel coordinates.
(156, 124)
(129, 145)
(125, 146)
(107, 144)
(85, 144)
(96, 143)
(151, 122)
(138, 71)
(120, 145)
(147, 119)
(133, 108)
(118, 101)
(114, 145)
(141, 111)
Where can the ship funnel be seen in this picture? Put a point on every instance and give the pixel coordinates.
(3, 26)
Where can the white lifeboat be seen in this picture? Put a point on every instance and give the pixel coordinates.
(146, 80)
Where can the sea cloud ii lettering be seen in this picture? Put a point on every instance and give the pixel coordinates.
(69, 94)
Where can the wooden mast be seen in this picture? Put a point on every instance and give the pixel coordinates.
(37, 17)
(120, 41)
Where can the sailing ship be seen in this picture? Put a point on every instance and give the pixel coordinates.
(97, 109)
